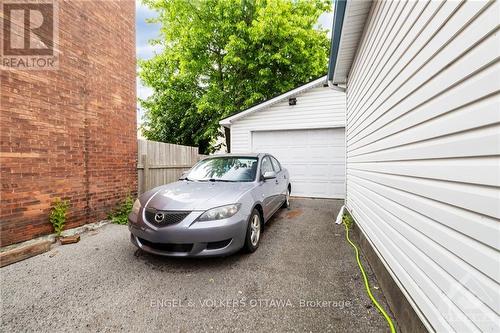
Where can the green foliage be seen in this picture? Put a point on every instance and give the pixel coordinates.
(348, 220)
(120, 215)
(222, 56)
(58, 215)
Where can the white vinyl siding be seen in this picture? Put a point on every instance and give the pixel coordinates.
(318, 107)
(423, 155)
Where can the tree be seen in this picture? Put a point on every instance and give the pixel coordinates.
(222, 56)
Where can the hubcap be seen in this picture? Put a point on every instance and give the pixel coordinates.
(255, 230)
(287, 198)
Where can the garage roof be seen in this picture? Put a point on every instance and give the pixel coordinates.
(226, 122)
(348, 26)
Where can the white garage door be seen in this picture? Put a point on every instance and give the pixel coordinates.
(315, 159)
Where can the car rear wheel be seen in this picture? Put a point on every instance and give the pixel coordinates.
(254, 231)
(286, 204)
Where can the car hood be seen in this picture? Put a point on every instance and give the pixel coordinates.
(190, 195)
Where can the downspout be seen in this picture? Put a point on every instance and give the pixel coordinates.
(335, 87)
(338, 22)
(344, 206)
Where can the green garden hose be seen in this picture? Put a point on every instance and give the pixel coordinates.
(367, 286)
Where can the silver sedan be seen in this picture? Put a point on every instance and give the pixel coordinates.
(217, 208)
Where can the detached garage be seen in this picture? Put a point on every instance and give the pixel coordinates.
(304, 129)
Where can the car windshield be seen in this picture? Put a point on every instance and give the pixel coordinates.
(224, 168)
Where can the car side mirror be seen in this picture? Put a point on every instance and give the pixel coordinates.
(184, 175)
(269, 175)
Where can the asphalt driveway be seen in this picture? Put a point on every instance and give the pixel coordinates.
(303, 278)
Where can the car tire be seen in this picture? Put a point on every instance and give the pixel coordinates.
(254, 232)
(286, 204)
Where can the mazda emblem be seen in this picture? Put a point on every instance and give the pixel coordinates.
(159, 217)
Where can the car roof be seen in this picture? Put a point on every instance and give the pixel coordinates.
(238, 155)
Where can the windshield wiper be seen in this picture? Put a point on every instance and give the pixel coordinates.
(221, 180)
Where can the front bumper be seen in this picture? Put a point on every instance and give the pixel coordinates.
(189, 238)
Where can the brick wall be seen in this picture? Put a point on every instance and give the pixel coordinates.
(71, 132)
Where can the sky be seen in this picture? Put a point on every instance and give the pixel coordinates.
(146, 31)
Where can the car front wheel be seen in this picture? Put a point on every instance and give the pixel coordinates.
(254, 231)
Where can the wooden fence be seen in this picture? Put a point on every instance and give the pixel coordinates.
(161, 163)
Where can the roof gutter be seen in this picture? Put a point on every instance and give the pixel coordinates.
(338, 21)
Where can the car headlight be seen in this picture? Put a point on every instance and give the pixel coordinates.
(220, 213)
(136, 207)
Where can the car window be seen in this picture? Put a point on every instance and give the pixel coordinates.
(266, 165)
(276, 164)
(230, 169)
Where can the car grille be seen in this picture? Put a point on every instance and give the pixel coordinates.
(167, 247)
(164, 217)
